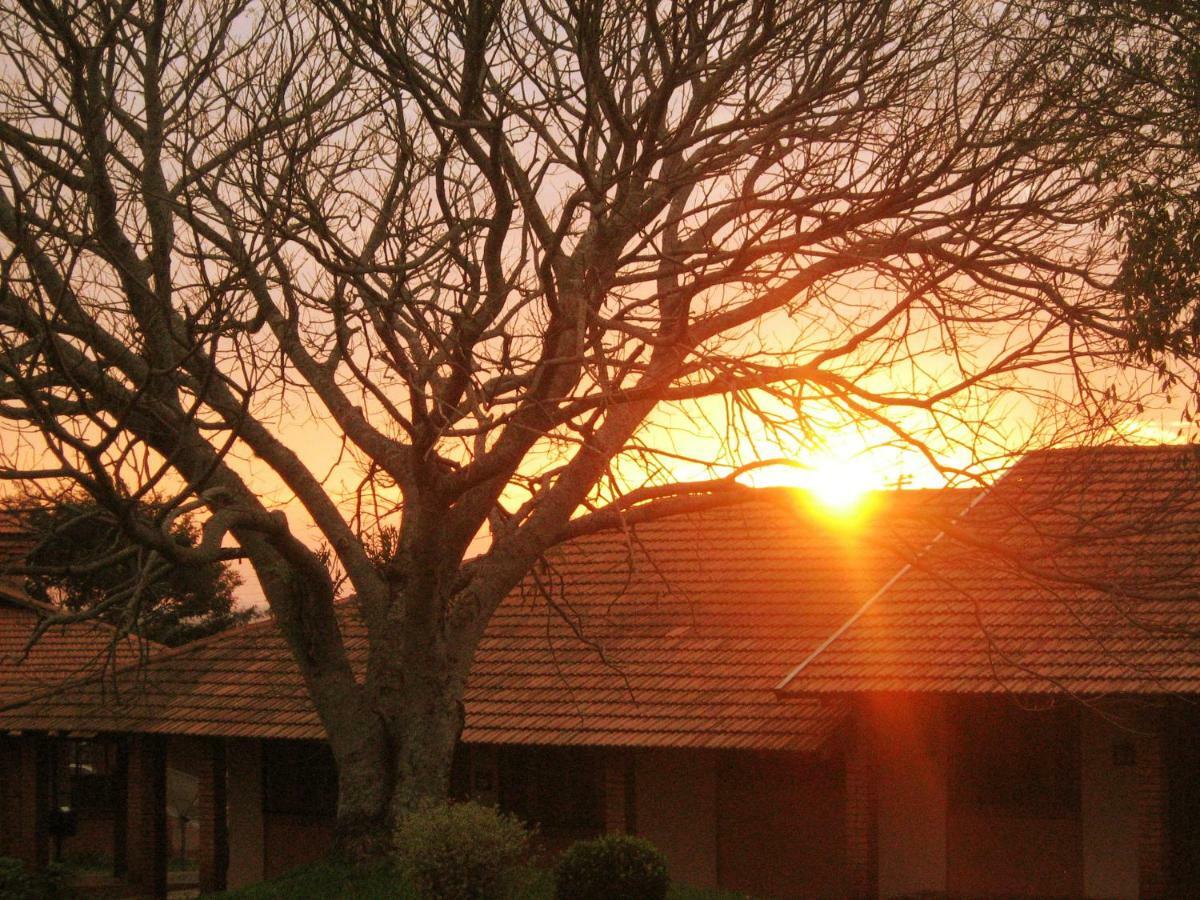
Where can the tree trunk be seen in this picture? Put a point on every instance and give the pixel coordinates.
(392, 728)
(364, 780)
(407, 758)
(424, 753)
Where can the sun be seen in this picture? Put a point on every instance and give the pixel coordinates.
(840, 486)
(836, 484)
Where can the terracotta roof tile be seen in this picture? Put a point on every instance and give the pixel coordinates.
(63, 653)
(697, 616)
(15, 544)
(1079, 571)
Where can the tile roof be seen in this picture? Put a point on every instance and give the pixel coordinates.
(14, 545)
(62, 653)
(697, 617)
(1078, 571)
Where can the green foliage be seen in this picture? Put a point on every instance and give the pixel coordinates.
(51, 883)
(177, 605)
(614, 867)
(1154, 56)
(1160, 274)
(327, 879)
(88, 861)
(345, 881)
(460, 851)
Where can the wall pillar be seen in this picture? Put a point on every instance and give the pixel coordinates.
(1153, 866)
(484, 774)
(1109, 797)
(23, 799)
(620, 802)
(861, 801)
(247, 849)
(146, 815)
(212, 806)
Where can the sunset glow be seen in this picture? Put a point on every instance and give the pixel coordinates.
(840, 486)
(838, 483)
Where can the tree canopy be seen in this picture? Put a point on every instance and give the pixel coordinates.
(81, 562)
(1154, 49)
(523, 260)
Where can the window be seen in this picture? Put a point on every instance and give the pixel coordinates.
(1015, 761)
(299, 778)
(553, 787)
(91, 768)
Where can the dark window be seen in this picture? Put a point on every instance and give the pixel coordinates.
(460, 773)
(553, 787)
(91, 768)
(1016, 761)
(299, 778)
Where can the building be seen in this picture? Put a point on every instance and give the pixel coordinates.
(989, 703)
(1026, 691)
(39, 779)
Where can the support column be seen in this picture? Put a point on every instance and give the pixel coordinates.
(620, 803)
(146, 815)
(1153, 870)
(247, 848)
(861, 841)
(121, 814)
(212, 806)
(23, 795)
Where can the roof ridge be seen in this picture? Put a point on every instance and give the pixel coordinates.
(29, 603)
(49, 609)
(529, 685)
(202, 643)
(1161, 447)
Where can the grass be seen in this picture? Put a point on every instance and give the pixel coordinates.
(326, 879)
(323, 880)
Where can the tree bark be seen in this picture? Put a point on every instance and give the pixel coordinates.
(364, 775)
(391, 771)
(394, 740)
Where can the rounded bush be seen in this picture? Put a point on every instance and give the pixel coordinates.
(614, 867)
(50, 883)
(460, 851)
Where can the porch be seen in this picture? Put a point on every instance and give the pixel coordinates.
(995, 795)
(132, 815)
(771, 824)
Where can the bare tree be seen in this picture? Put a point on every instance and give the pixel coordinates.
(490, 244)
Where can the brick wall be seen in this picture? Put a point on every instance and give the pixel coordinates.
(211, 801)
(22, 798)
(861, 844)
(619, 804)
(677, 810)
(247, 852)
(1153, 848)
(146, 815)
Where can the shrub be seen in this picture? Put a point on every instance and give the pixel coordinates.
(333, 878)
(51, 883)
(460, 851)
(614, 867)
